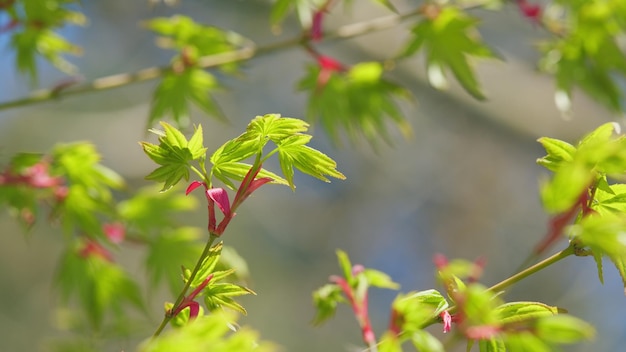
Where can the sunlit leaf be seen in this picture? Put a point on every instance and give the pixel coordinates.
(449, 38)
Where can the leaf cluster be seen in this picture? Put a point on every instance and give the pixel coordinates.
(449, 38)
(186, 82)
(209, 332)
(35, 25)
(590, 169)
(359, 102)
(586, 53)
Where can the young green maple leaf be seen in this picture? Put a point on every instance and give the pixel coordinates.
(174, 153)
(290, 143)
(449, 38)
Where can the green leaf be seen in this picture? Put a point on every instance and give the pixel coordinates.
(588, 54)
(418, 308)
(390, 343)
(293, 153)
(102, 288)
(526, 341)
(520, 311)
(89, 193)
(344, 264)
(177, 90)
(208, 265)
(285, 133)
(605, 236)
(196, 144)
(358, 102)
(150, 212)
(42, 39)
(209, 332)
(558, 153)
(563, 329)
(304, 10)
(449, 38)
(425, 342)
(379, 279)
(273, 127)
(325, 300)
(564, 189)
(173, 154)
(170, 250)
(490, 345)
(228, 171)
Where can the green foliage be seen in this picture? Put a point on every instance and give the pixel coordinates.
(217, 294)
(290, 143)
(359, 102)
(174, 153)
(89, 188)
(102, 288)
(177, 89)
(187, 82)
(587, 54)
(150, 212)
(168, 251)
(598, 155)
(209, 332)
(449, 38)
(585, 170)
(306, 8)
(357, 279)
(38, 22)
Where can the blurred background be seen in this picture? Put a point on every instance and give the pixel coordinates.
(465, 186)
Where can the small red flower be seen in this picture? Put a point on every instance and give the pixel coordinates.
(115, 232)
(447, 321)
(531, 11)
(328, 66)
(92, 248)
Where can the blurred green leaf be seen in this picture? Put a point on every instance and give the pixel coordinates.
(605, 236)
(167, 252)
(449, 38)
(418, 308)
(149, 212)
(490, 345)
(587, 53)
(425, 342)
(38, 35)
(209, 332)
(325, 300)
(359, 102)
(89, 190)
(177, 90)
(558, 152)
(103, 288)
(563, 329)
(379, 279)
(526, 341)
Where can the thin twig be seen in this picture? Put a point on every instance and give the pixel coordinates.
(246, 53)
